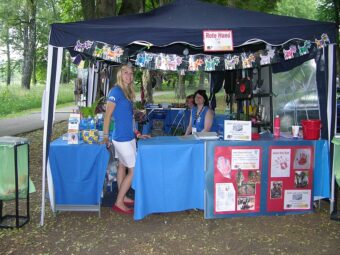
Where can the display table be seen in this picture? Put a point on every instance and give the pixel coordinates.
(78, 172)
(169, 175)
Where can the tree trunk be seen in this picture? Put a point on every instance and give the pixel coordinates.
(34, 71)
(157, 75)
(191, 80)
(131, 7)
(29, 42)
(8, 54)
(201, 80)
(147, 85)
(89, 9)
(106, 8)
(181, 86)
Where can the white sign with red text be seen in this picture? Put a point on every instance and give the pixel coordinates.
(218, 40)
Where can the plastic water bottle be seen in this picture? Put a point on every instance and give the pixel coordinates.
(277, 126)
(91, 123)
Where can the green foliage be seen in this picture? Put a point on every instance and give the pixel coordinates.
(90, 111)
(15, 99)
(259, 5)
(327, 10)
(304, 9)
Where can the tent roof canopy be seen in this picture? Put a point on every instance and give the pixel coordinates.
(183, 22)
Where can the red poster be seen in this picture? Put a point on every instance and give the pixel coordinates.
(237, 179)
(290, 178)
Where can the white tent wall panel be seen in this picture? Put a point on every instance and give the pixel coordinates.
(55, 55)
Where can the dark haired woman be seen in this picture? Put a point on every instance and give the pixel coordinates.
(201, 118)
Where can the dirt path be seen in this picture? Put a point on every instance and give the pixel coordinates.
(171, 233)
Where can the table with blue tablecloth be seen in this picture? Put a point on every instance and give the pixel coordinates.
(78, 172)
(170, 172)
(169, 175)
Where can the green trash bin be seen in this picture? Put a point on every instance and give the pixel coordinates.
(15, 183)
(336, 159)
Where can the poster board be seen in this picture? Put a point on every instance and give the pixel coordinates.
(296, 195)
(290, 178)
(237, 179)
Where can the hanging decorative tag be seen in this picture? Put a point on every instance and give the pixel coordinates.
(247, 61)
(231, 61)
(195, 63)
(266, 59)
(303, 50)
(289, 54)
(211, 63)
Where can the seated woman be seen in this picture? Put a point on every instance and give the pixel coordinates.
(201, 118)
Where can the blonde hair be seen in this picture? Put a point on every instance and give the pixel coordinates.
(128, 90)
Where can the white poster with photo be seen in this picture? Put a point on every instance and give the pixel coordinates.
(225, 196)
(245, 159)
(297, 199)
(280, 162)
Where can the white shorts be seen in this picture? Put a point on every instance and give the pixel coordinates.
(126, 152)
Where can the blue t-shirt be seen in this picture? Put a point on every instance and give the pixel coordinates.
(197, 121)
(122, 115)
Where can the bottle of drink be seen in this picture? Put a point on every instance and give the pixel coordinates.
(277, 126)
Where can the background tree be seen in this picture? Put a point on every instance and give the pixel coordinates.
(7, 24)
(29, 41)
(305, 9)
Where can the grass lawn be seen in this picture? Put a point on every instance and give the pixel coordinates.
(16, 101)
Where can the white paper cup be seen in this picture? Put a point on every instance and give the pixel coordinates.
(295, 131)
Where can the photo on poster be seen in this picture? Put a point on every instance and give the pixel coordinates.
(297, 199)
(247, 189)
(240, 177)
(245, 203)
(275, 189)
(302, 158)
(254, 176)
(280, 162)
(224, 167)
(301, 179)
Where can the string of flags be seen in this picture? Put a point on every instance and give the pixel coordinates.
(201, 62)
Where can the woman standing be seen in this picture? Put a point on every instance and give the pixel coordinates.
(201, 118)
(120, 106)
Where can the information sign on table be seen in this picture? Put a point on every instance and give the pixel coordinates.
(237, 130)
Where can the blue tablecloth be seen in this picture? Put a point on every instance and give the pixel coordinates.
(169, 176)
(78, 172)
